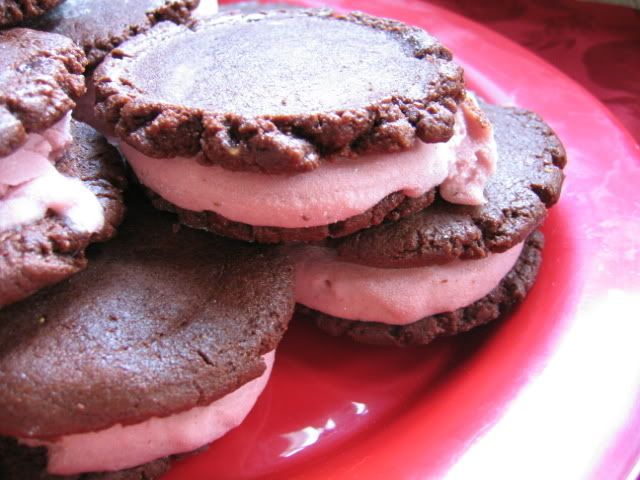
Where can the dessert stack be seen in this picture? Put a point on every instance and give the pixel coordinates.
(274, 156)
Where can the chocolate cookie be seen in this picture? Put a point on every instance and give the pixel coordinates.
(41, 78)
(510, 292)
(527, 182)
(13, 12)
(19, 462)
(162, 320)
(99, 26)
(391, 208)
(49, 250)
(297, 94)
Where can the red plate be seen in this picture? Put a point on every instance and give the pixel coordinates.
(551, 392)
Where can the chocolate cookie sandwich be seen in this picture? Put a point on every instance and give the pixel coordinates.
(60, 182)
(13, 12)
(277, 127)
(160, 346)
(448, 268)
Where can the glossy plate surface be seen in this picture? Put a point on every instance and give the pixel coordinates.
(553, 391)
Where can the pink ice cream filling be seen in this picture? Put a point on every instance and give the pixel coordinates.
(30, 185)
(335, 191)
(394, 296)
(121, 447)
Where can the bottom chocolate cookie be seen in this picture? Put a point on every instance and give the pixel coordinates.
(510, 292)
(389, 209)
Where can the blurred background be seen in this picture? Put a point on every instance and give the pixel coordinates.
(595, 43)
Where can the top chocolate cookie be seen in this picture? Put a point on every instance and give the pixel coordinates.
(40, 79)
(99, 26)
(279, 91)
(13, 12)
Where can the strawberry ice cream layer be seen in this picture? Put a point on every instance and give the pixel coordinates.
(30, 185)
(121, 447)
(336, 190)
(394, 296)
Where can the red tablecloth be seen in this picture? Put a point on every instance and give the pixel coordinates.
(597, 45)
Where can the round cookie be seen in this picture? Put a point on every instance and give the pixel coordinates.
(391, 208)
(510, 292)
(41, 79)
(527, 182)
(99, 26)
(162, 320)
(49, 250)
(13, 12)
(292, 116)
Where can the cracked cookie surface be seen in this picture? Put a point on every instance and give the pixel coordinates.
(298, 93)
(12, 12)
(41, 77)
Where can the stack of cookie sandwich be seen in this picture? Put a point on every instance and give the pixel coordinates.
(416, 204)
(332, 160)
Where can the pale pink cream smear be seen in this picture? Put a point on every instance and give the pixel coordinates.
(30, 185)
(121, 447)
(476, 156)
(393, 296)
(336, 190)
